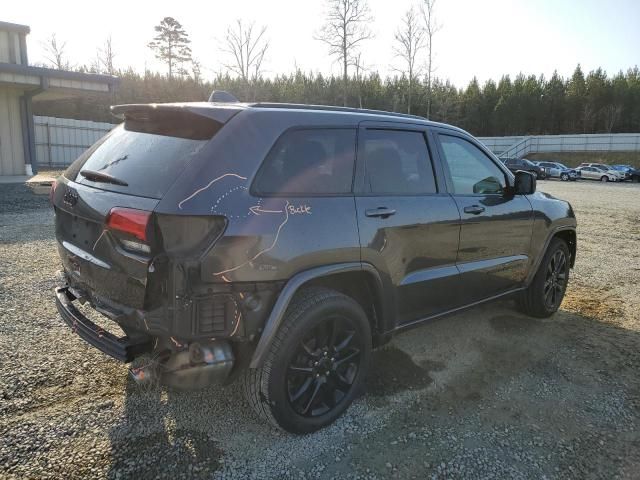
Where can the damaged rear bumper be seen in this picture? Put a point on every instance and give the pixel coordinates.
(124, 349)
(193, 365)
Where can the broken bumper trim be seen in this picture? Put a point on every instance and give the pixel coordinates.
(123, 349)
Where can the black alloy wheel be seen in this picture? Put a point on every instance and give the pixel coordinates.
(555, 280)
(316, 365)
(324, 367)
(545, 293)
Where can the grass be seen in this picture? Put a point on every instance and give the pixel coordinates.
(573, 159)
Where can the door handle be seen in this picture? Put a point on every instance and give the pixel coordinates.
(382, 212)
(474, 209)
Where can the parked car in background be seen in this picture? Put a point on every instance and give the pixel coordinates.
(515, 164)
(631, 173)
(619, 176)
(558, 170)
(593, 173)
(207, 265)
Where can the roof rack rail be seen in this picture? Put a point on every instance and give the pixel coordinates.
(332, 108)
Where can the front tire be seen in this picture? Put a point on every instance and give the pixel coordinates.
(604, 178)
(543, 297)
(564, 177)
(315, 366)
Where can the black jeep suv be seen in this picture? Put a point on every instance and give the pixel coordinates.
(282, 242)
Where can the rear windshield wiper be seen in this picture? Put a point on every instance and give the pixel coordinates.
(102, 177)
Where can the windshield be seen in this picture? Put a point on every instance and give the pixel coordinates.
(146, 164)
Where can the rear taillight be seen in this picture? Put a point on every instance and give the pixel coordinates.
(52, 191)
(130, 221)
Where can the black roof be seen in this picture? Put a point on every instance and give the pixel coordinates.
(332, 108)
(222, 111)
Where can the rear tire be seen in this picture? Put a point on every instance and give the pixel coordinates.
(543, 297)
(316, 365)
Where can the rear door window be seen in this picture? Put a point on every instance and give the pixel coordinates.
(397, 162)
(314, 161)
(148, 163)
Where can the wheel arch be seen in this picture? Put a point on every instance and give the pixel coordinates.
(360, 281)
(565, 233)
(569, 237)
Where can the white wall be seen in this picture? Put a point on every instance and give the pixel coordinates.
(11, 142)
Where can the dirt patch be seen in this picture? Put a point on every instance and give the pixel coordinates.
(393, 370)
(593, 302)
(511, 324)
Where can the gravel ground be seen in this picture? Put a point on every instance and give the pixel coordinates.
(484, 394)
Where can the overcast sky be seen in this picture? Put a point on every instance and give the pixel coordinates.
(478, 38)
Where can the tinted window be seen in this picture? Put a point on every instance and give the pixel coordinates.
(311, 161)
(471, 171)
(397, 162)
(148, 163)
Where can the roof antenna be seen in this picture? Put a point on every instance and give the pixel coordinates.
(220, 96)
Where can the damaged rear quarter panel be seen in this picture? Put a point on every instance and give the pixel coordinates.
(266, 238)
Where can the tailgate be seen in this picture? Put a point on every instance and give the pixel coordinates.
(93, 257)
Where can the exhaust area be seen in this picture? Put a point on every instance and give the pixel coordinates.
(196, 367)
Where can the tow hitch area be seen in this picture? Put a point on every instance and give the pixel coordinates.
(124, 348)
(196, 367)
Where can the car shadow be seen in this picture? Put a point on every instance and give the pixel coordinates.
(572, 376)
(156, 438)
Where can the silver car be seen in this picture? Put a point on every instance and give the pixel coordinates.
(619, 176)
(594, 173)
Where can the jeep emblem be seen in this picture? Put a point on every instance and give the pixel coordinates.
(70, 197)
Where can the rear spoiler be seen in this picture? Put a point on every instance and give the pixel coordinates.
(219, 113)
(198, 121)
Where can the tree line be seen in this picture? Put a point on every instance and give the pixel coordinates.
(523, 105)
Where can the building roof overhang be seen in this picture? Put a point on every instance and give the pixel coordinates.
(15, 27)
(50, 83)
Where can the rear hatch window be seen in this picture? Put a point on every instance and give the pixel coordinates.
(142, 164)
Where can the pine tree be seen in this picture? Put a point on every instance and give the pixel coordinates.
(171, 45)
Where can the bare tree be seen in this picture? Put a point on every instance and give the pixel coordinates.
(246, 45)
(358, 64)
(196, 70)
(431, 27)
(409, 40)
(55, 52)
(106, 56)
(346, 26)
(612, 115)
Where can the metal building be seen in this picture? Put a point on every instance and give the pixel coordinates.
(19, 84)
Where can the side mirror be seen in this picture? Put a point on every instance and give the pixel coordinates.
(525, 183)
